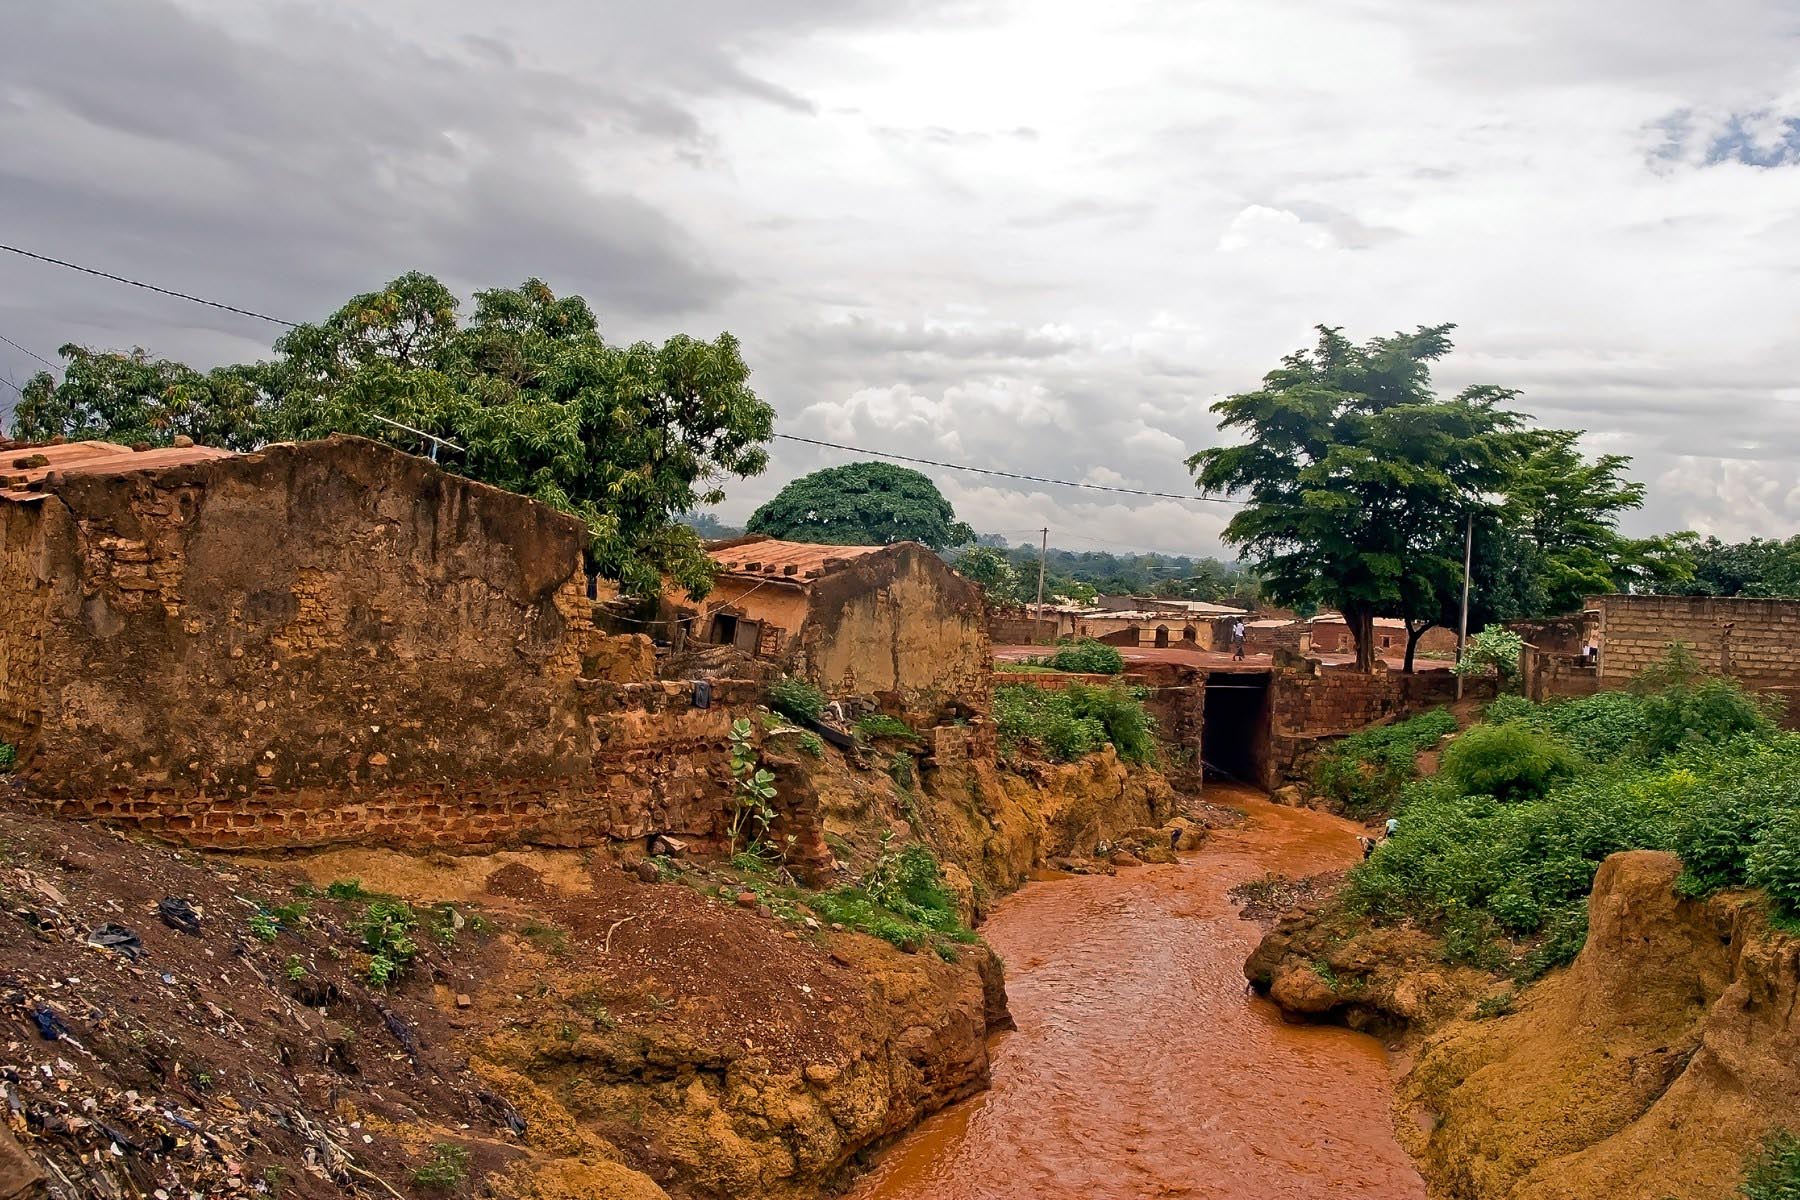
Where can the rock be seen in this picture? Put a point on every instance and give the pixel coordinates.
(1291, 795)
(765, 912)
(746, 900)
(647, 872)
(1125, 858)
(821, 1074)
(20, 1178)
(1184, 834)
(462, 1000)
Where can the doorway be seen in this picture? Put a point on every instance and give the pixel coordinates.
(1162, 637)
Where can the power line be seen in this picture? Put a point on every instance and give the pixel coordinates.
(949, 466)
(148, 287)
(790, 437)
(32, 353)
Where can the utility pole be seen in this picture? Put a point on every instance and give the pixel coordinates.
(1043, 553)
(1462, 633)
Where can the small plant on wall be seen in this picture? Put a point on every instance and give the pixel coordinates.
(752, 791)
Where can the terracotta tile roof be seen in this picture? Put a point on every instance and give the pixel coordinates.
(798, 561)
(24, 468)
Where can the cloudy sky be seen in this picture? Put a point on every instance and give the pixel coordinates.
(1035, 235)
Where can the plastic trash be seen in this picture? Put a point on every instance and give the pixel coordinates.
(116, 937)
(49, 1022)
(179, 915)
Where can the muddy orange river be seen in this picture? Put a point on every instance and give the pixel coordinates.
(1142, 1066)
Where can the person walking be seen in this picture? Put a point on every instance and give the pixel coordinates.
(1237, 638)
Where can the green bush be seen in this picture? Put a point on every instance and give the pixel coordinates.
(1366, 771)
(1493, 651)
(1086, 656)
(447, 1167)
(1774, 1171)
(1773, 863)
(901, 900)
(796, 698)
(1509, 762)
(387, 929)
(1682, 705)
(1070, 722)
(8, 756)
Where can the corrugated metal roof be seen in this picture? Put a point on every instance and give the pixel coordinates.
(798, 561)
(23, 469)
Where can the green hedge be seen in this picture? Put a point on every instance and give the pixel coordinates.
(1067, 723)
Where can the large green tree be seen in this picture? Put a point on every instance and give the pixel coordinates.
(862, 504)
(132, 398)
(1356, 477)
(628, 438)
(1758, 567)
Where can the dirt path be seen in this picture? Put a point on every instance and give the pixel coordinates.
(1142, 1067)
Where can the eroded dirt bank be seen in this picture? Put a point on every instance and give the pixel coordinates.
(1647, 1070)
(1141, 1066)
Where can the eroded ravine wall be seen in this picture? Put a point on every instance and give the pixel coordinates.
(22, 595)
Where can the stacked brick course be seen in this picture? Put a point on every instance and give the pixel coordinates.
(1756, 642)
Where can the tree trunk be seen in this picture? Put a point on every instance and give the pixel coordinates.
(1362, 631)
(1412, 641)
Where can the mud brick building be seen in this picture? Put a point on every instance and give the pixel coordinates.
(329, 641)
(1330, 634)
(889, 622)
(1756, 642)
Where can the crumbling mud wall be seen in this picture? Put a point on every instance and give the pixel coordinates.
(22, 588)
(335, 641)
(900, 625)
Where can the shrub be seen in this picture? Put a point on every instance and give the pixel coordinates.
(796, 698)
(8, 756)
(1366, 771)
(1493, 651)
(387, 935)
(1773, 863)
(1774, 1171)
(1682, 705)
(1087, 657)
(1070, 722)
(1509, 762)
(901, 900)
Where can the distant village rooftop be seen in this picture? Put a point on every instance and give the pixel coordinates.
(797, 562)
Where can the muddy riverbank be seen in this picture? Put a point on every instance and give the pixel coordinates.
(1142, 1066)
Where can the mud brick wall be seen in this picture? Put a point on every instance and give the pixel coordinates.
(22, 588)
(652, 763)
(310, 616)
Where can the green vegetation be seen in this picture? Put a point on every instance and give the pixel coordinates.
(1758, 567)
(447, 1167)
(796, 699)
(1365, 772)
(1494, 651)
(1498, 851)
(862, 504)
(880, 725)
(346, 889)
(1079, 719)
(901, 900)
(1085, 656)
(1774, 1171)
(263, 927)
(752, 791)
(8, 756)
(387, 929)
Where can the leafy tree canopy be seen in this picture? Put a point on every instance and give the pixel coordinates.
(625, 437)
(1357, 477)
(1758, 567)
(990, 568)
(862, 504)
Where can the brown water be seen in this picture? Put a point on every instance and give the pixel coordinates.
(1142, 1066)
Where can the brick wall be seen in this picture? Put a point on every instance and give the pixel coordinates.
(1015, 627)
(1316, 704)
(653, 764)
(1756, 642)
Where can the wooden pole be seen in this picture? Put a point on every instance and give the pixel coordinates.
(1462, 633)
(1043, 553)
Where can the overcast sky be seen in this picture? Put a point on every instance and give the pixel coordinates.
(1040, 235)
